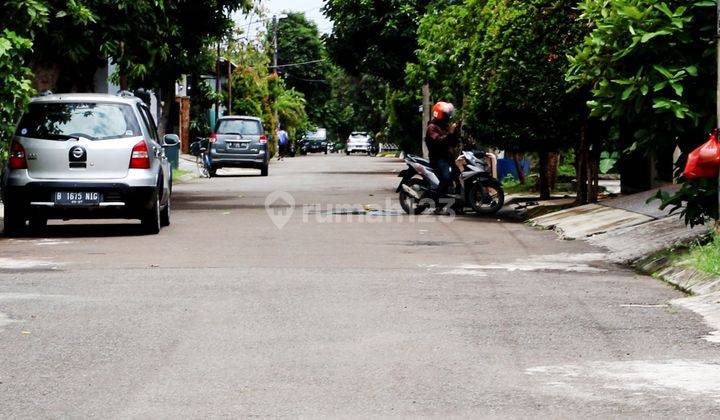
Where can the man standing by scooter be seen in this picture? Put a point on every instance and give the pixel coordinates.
(441, 139)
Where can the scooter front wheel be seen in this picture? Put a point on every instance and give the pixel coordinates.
(409, 203)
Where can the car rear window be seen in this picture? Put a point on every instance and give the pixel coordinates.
(94, 121)
(240, 127)
(320, 134)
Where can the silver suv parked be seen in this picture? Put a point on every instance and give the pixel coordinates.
(81, 156)
(239, 142)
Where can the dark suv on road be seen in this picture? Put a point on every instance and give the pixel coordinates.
(239, 142)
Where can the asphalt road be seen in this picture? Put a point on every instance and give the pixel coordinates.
(341, 313)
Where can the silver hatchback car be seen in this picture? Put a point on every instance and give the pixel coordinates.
(84, 156)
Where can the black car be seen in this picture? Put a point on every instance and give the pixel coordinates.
(314, 142)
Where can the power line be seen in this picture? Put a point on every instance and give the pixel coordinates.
(306, 80)
(299, 64)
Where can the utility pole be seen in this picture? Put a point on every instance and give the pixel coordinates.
(217, 83)
(275, 43)
(426, 117)
(229, 69)
(276, 118)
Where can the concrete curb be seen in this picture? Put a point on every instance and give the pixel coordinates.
(585, 221)
(703, 288)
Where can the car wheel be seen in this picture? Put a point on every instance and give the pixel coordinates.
(264, 170)
(212, 172)
(14, 222)
(347, 152)
(151, 220)
(165, 215)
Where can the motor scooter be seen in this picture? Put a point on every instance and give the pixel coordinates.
(475, 185)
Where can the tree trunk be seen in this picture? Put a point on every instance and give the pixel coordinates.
(166, 95)
(518, 166)
(587, 164)
(46, 76)
(594, 171)
(548, 173)
(581, 166)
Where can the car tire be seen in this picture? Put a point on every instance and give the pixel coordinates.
(151, 219)
(14, 222)
(38, 224)
(165, 215)
(347, 153)
(212, 172)
(264, 170)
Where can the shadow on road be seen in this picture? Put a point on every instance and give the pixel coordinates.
(87, 231)
(237, 175)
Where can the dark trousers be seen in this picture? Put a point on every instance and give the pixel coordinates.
(443, 170)
(282, 152)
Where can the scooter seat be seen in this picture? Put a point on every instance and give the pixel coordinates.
(420, 160)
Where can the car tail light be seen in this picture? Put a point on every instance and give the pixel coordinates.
(263, 138)
(213, 137)
(18, 158)
(140, 158)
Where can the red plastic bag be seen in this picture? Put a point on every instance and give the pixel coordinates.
(704, 162)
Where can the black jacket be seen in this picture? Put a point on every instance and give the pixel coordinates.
(440, 142)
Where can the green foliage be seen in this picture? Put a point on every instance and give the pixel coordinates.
(258, 93)
(650, 67)
(374, 42)
(203, 98)
(20, 18)
(355, 104)
(518, 94)
(706, 258)
(695, 202)
(376, 38)
(608, 161)
(299, 42)
(503, 61)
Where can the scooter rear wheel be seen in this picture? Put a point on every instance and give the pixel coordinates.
(486, 197)
(410, 204)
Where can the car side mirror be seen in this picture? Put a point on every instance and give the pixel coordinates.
(171, 140)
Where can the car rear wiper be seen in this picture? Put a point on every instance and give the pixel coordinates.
(61, 137)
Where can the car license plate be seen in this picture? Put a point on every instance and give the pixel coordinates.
(238, 145)
(72, 198)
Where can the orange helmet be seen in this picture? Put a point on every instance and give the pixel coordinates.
(443, 111)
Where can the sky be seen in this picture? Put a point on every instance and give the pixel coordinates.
(276, 7)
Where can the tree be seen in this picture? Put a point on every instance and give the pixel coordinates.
(651, 70)
(373, 37)
(257, 92)
(153, 42)
(20, 19)
(373, 42)
(503, 62)
(299, 42)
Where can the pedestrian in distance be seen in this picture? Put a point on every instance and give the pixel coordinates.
(283, 143)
